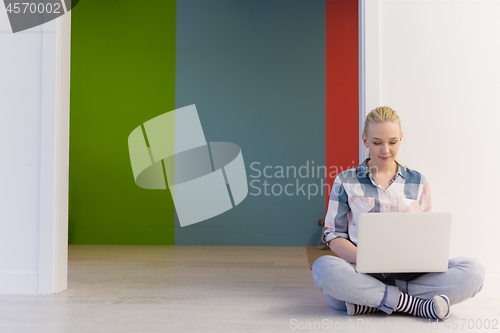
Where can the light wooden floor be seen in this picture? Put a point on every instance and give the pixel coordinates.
(201, 289)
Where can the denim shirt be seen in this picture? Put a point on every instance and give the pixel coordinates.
(354, 191)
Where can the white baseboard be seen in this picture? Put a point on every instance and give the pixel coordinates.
(19, 283)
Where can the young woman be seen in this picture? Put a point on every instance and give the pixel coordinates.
(382, 184)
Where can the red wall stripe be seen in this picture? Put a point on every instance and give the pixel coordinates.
(342, 90)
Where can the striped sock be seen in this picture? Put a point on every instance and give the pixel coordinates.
(355, 309)
(436, 308)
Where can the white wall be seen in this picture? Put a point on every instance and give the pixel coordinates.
(439, 70)
(20, 95)
(34, 110)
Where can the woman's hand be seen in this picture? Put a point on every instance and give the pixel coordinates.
(344, 249)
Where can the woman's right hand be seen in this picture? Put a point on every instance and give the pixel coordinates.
(344, 248)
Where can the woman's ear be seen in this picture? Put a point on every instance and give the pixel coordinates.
(401, 138)
(364, 140)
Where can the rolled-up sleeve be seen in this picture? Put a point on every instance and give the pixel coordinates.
(336, 220)
(425, 201)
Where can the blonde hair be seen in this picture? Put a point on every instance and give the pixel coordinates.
(380, 115)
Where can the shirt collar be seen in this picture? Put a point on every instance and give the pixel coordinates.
(362, 169)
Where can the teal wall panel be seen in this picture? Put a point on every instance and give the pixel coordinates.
(256, 71)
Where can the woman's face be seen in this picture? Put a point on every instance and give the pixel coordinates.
(383, 141)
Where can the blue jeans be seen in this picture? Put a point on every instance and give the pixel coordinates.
(340, 283)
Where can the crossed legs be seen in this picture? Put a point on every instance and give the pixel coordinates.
(340, 283)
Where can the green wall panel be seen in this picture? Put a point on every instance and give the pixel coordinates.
(122, 74)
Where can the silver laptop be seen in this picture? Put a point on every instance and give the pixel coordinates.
(403, 242)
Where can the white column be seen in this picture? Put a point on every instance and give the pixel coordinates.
(369, 66)
(54, 162)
